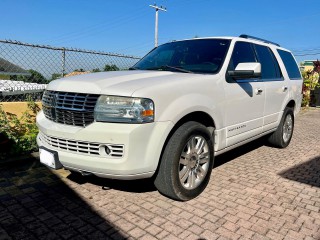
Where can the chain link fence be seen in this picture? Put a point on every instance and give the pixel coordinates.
(26, 69)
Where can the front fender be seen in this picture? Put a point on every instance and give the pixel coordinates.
(183, 105)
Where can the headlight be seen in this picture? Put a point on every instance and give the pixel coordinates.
(124, 109)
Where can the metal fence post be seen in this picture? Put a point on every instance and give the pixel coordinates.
(63, 61)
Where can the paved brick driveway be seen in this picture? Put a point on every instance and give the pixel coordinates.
(255, 192)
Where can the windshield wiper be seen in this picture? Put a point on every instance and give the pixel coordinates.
(167, 67)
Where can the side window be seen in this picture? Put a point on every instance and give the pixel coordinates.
(290, 64)
(269, 65)
(242, 52)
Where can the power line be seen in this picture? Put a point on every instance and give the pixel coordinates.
(307, 54)
(311, 51)
(307, 50)
(93, 28)
(95, 32)
(135, 46)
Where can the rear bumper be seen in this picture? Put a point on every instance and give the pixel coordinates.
(142, 146)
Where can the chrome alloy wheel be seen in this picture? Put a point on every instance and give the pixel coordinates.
(194, 162)
(287, 128)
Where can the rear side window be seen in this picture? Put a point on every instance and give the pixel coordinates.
(242, 52)
(269, 65)
(290, 64)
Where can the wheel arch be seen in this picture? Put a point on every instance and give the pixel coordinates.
(291, 104)
(197, 116)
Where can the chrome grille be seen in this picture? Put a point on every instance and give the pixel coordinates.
(88, 148)
(69, 108)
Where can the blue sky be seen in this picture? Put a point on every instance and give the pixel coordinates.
(127, 26)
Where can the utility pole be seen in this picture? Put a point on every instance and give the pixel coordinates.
(156, 24)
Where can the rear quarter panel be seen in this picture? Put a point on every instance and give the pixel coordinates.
(295, 85)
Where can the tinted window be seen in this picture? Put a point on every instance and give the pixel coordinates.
(242, 52)
(199, 56)
(290, 64)
(269, 65)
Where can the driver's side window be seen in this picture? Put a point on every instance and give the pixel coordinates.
(242, 52)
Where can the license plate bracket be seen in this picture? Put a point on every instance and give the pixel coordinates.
(49, 158)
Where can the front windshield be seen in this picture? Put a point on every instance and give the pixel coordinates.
(196, 56)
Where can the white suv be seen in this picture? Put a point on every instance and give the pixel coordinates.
(178, 107)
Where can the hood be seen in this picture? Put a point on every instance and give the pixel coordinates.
(122, 83)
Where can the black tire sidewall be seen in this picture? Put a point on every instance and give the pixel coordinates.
(287, 111)
(181, 138)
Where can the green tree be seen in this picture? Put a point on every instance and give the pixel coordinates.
(34, 77)
(79, 70)
(55, 76)
(311, 80)
(112, 67)
(96, 70)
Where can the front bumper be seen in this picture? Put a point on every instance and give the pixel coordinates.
(142, 145)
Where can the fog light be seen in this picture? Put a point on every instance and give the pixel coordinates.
(107, 150)
(104, 150)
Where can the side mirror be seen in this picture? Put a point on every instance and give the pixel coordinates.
(246, 70)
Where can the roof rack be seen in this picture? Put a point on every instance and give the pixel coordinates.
(259, 39)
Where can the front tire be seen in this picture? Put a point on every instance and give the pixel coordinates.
(186, 162)
(282, 136)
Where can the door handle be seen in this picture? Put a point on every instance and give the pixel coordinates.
(259, 91)
(285, 88)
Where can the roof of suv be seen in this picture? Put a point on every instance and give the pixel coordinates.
(243, 37)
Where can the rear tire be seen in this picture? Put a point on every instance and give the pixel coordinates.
(282, 136)
(186, 162)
